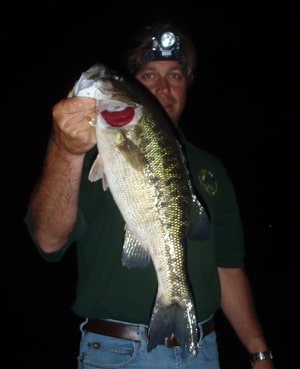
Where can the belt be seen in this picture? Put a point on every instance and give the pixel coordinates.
(131, 332)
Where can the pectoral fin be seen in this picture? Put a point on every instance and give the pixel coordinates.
(132, 153)
(96, 172)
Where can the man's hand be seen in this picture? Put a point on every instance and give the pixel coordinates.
(71, 129)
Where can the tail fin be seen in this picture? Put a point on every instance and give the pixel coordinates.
(177, 320)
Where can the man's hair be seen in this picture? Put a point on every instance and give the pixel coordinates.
(141, 49)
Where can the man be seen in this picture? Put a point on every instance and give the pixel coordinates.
(114, 302)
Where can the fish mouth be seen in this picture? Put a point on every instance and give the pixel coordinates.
(118, 118)
(117, 114)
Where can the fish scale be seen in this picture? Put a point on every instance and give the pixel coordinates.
(141, 162)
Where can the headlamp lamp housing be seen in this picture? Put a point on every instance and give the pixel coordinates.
(166, 43)
(165, 46)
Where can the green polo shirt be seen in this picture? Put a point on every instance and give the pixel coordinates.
(107, 290)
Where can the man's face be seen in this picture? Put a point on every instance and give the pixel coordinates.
(167, 82)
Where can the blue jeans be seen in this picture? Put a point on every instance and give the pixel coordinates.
(99, 352)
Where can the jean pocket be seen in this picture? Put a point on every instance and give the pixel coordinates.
(99, 351)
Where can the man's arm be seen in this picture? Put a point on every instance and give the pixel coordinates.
(53, 204)
(238, 307)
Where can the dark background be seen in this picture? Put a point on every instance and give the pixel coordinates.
(244, 108)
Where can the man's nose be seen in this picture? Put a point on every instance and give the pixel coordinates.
(163, 84)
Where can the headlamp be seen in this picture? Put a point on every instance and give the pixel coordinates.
(165, 46)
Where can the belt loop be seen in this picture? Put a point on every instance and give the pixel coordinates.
(82, 326)
(144, 337)
(200, 325)
(200, 328)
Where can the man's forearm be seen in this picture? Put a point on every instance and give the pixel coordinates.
(238, 307)
(53, 205)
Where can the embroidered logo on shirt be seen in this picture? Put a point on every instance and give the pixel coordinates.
(208, 181)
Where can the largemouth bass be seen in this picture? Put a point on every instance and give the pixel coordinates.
(141, 161)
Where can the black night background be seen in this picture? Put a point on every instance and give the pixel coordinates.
(244, 108)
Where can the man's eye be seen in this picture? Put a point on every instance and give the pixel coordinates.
(176, 76)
